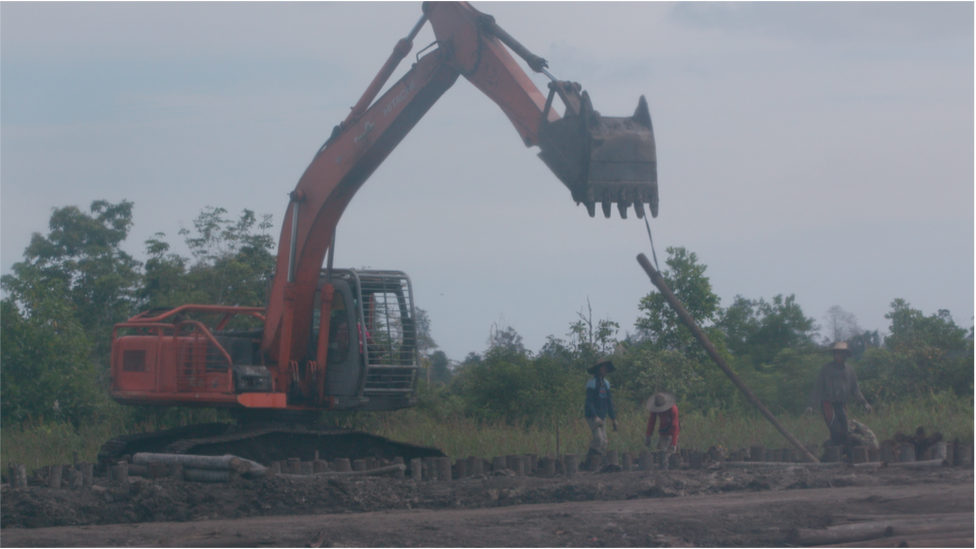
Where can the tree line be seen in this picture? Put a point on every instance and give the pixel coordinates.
(76, 282)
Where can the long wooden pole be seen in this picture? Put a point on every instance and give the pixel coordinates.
(658, 281)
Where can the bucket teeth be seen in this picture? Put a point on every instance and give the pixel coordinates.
(622, 208)
(591, 208)
(604, 159)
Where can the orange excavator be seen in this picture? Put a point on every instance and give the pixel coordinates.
(344, 339)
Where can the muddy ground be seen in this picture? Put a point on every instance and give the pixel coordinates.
(719, 507)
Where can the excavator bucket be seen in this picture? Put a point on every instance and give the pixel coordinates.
(604, 159)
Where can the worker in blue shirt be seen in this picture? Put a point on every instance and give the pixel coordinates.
(599, 406)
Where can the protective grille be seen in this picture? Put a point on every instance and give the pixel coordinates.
(390, 332)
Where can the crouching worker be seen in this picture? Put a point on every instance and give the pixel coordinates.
(860, 434)
(663, 405)
(599, 406)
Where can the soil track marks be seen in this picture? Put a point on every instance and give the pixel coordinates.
(671, 509)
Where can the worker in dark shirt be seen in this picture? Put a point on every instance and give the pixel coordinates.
(599, 406)
(835, 386)
(662, 406)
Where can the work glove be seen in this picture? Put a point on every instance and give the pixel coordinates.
(598, 422)
(647, 441)
(868, 408)
(808, 411)
(672, 448)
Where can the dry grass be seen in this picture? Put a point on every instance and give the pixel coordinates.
(51, 443)
(461, 437)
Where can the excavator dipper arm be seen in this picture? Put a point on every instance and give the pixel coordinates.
(600, 159)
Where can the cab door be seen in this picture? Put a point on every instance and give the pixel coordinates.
(343, 373)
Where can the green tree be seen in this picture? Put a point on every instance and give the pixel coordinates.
(660, 324)
(505, 337)
(46, 367)
(589, 341)
(440, 367)
(231, 263)
(756, 331)
(514, 387)
(922, 354)
(81, 262)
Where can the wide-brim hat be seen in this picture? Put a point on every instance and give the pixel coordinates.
(841, 346)
(596, 367)
(661, 401)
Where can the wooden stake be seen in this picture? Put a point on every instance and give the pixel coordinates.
(54, 477)
(571, 462)
(658, 281)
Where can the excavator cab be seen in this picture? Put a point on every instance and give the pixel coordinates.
(372, 359)
(600, 158)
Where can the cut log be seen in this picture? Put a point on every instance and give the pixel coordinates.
(926, 463)
(207, 475)
(780, 465)
(911, 518)
(839, 534)
(932, 530)
(219, 463)
(379, 471)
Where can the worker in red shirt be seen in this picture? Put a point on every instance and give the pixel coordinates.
(662, 404)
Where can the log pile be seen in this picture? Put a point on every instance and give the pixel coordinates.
(227, 468)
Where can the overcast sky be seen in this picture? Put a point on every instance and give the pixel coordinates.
(817, 149)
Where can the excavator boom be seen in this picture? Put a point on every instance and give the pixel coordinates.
(348, 342)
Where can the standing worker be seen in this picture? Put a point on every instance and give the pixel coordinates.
(663, 404)
(836, 384)
(599, 406)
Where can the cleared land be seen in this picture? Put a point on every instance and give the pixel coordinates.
(718, 507)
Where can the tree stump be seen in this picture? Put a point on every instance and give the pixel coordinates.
(74, 479)
(87, 472)
(443, 465)
(646, 461)
(294, 466)
(54, 477)
(476, 466)
(549, 467)
(498, 463)
(572, 464)
(416, 469)
(342, 465)
(906, 453)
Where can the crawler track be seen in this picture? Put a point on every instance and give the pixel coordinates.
(263, 443)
